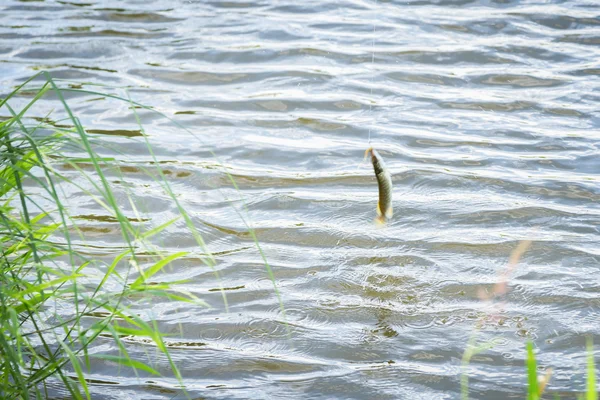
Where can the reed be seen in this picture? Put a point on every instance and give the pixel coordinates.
(42, 265)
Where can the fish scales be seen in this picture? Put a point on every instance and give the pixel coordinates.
(384, 183)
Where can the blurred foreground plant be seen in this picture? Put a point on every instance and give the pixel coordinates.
(536, 385)
(42, 272)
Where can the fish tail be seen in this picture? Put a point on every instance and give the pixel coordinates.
(389, 213)
(380, 220)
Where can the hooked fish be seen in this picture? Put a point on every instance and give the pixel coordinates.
(384, 182)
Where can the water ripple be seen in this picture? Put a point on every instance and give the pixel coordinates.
(486, 114)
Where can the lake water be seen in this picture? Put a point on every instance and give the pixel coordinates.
(486, 113)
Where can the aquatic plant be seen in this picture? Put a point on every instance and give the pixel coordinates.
(536, 385)
(43, 270)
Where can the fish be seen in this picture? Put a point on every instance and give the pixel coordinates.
(385, 210)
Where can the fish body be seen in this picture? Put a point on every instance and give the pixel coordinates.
(384, 182)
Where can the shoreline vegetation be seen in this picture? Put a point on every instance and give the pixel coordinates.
(45, 270)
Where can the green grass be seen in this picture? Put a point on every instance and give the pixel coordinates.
(533, 389)
(591, 393)
(42, 267)
(536, 386)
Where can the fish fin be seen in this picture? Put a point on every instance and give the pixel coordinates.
(379, 213)
(380, 220)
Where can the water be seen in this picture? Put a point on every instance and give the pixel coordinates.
(486, 114)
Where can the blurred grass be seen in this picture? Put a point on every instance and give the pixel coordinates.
(533, 390)
(591, 393)
(536, 385)
(41, 266)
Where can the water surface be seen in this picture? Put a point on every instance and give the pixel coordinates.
(486, 113)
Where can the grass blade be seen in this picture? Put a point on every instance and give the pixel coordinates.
(128, 362)
(533, 392)
(592, 393)
(156, 267)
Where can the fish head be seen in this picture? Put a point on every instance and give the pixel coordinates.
(377, 161)
(369, 150)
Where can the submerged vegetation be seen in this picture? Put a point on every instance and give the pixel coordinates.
(57, 298)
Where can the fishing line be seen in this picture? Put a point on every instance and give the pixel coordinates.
(385, 209)
(370, 102)
(372, 64)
